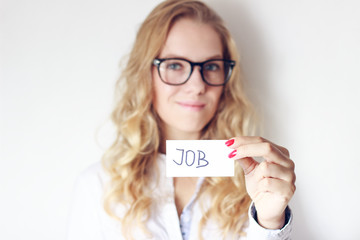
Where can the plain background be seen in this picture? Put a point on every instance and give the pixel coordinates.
(59, 61)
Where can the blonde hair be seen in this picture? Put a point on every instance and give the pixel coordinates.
(135, 150)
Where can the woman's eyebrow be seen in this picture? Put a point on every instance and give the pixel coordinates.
(217, 56)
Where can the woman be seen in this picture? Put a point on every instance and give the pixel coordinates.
(181, 82)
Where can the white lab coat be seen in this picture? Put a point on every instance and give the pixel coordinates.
(89, 221)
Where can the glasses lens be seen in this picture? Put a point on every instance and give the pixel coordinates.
(216, 72)
(174, 71)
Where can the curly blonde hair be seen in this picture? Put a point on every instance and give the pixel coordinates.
(136, 146)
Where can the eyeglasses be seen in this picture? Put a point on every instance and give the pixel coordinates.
(177, 71)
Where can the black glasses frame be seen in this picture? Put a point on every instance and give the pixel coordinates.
(158, 61)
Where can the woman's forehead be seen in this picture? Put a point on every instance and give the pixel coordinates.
(192, 39)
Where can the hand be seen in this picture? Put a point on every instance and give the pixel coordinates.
(271, 183)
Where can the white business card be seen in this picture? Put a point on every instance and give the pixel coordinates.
(198, 158)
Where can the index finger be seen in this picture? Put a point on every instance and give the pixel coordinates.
(263, 148)
(243, 140)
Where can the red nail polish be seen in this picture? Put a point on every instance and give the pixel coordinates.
(229, 142)
(232, 154)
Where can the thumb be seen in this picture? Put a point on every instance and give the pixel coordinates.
(248, 164)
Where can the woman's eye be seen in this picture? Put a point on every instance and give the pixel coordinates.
(212, 67)
(174, 66)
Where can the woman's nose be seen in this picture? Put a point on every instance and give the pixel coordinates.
(195, 83)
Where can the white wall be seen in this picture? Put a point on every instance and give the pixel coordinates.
(59, 61)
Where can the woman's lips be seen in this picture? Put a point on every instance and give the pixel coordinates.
(196, 106)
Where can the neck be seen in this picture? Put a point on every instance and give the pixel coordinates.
(173, 134)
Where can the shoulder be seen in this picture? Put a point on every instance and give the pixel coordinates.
(93, 178)
(95, 170)
(86, 210)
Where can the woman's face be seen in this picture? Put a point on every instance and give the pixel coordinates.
(186, 109)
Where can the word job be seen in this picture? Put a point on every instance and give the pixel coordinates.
(189, 157)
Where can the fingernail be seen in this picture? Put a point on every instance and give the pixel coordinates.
(232, 154)
(229, 142)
